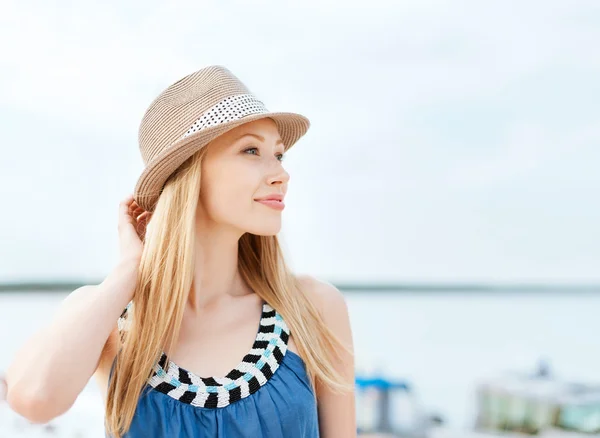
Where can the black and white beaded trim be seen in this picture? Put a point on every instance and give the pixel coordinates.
(255, 369)
(227, 110)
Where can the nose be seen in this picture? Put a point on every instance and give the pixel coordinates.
(279, 176)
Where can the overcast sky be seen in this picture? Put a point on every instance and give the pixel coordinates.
(450, 141)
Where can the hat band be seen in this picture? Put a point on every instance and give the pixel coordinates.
(227, 110)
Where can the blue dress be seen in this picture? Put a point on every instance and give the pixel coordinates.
(268, 395)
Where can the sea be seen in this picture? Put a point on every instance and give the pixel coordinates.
(442, 344)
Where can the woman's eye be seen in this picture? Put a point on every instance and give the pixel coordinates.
(281, 156)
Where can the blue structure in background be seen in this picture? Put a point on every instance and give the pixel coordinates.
(378, 396)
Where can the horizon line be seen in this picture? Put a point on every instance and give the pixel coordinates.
(479, 286)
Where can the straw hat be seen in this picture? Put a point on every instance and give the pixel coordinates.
(189, 114)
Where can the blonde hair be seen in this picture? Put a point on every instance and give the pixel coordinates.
(165, 279)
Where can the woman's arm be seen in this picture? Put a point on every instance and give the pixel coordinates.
(52, 368)
(337, 412)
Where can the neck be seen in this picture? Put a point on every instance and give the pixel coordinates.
(217, 279)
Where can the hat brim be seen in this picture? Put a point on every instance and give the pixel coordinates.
(149, 185)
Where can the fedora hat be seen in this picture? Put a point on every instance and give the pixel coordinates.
(189, 114)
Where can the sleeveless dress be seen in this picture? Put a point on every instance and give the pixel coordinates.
(268, 395)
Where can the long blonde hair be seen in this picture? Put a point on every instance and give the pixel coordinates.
(165, 280)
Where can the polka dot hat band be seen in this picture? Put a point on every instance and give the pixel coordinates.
(189, 114)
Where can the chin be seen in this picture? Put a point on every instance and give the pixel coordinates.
(266, 228)
(266, 232)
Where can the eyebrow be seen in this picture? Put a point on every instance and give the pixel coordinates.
(259, 137)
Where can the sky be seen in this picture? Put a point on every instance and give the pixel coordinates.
(449, 141)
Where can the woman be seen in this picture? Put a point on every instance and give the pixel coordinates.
(218, 337)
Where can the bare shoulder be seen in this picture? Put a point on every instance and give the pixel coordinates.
(327, 297)
(332, 306)
(334, 409)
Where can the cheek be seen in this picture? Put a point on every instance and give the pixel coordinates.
(228, 192)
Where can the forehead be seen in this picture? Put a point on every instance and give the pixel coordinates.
(265, 128)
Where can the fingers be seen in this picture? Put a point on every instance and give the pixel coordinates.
(136, 210)
(127, 209)
(131, 211)
(128, 205)
(144, 216)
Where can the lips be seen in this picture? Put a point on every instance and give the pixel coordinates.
(273, 197)
(273, 203)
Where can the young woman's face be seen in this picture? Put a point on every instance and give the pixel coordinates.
(241, 166)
